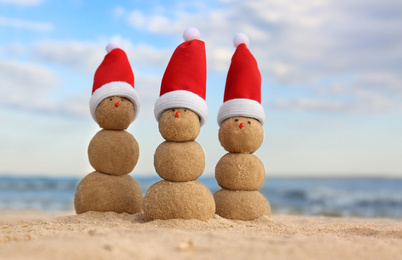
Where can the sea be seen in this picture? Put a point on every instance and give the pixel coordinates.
(339, 197)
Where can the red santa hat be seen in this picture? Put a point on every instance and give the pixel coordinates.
(184, 82)
(114, 77)
(243, 85)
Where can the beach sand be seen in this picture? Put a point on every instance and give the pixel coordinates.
(94, 235)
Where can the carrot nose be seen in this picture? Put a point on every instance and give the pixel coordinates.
(240, 125)
(177, 114)
(116, 104)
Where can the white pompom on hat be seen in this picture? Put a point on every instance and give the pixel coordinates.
(191, 34)
(243, 85)
(241, 38)
(114, 77)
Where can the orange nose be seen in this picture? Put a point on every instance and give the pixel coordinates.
(116, 104)
(177, 114)
(241, 125)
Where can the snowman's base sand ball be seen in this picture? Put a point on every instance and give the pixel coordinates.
(241, 205)
(113, 152)
(240, 171)
(178, 200)
(179, 161)
(102, 192)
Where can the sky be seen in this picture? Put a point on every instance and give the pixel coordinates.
(331, 80)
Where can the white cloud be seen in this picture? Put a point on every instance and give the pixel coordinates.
(40, 82)
(372, 105)
(79, 56)
(303, 104)
(25, 24)
(33, 88)
(23, 2)
(301, 43)
(119, 11)
(221, 58)
(28, 75)
(136, 19)
(75, 104)
(147, 56)
(86, 56)
(26, 85)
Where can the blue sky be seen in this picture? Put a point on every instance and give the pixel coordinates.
(331, 72)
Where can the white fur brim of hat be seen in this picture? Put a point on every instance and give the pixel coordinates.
(241, 107)
(182, 99)
(115, 88)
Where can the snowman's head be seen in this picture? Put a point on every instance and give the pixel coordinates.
(179, 125)
(115, 113)
(241, 134)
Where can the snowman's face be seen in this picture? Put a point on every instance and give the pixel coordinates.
(115, 113)
(241, 134)
(179, 125)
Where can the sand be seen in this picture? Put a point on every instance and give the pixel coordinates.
(64, 235)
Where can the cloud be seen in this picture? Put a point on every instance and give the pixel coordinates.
(119, 11)
(25, 24)
(338, 56)
(302, 44)
(39, 83)
(78, 56)
(34, 88)
(76, 104)
(85, 57)
(357, 95)
(26, 85)
(23, 2)
(373, 104)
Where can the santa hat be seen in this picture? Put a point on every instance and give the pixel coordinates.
(243, 85)
(184, 82)
(114, 77)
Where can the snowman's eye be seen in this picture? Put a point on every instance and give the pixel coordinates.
(111, 99)
(236, 120)
(122, 100)
(249, 122)
(185, 110)
(173, 110)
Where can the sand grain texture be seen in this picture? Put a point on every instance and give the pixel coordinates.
(102, 192)
(179, 161)
(106, 235)
(240, 171)
(113, 152)
(178, 200)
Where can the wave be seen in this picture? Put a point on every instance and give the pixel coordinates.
(329, 197)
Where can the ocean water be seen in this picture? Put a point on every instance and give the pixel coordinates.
(360, 197)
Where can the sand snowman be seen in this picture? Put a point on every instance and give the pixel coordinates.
(181, 110)
(240, 173)
(112, 152)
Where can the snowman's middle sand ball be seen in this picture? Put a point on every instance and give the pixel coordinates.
(179, 161)
(113, 152)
